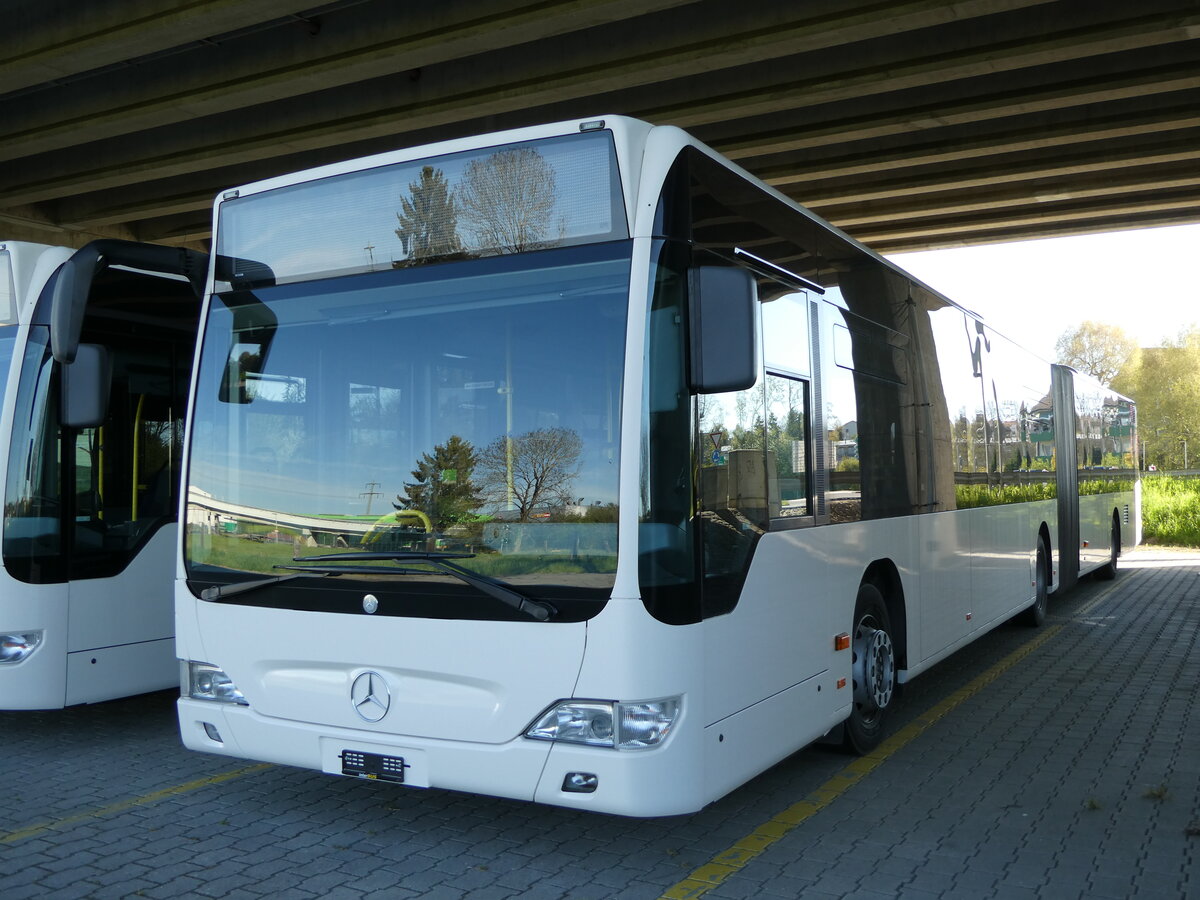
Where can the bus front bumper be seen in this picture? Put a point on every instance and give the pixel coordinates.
(657, 782)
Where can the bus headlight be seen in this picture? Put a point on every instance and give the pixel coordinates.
(207, 682)
(15, 647)
(602, 723)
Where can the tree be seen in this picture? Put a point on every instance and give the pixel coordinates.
(442, 485)
(1165, 384)
(532, 472)
(508, 200)
(428, 219)
(1096, 349)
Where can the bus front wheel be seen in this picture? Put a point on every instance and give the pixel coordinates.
(873, 669)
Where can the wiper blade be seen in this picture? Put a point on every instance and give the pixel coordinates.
(375, 555)
(221, 591)
(440, 561)
(361, 570)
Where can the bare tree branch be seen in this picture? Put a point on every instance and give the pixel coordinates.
(508, 200)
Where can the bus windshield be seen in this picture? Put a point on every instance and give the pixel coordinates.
(466, 408)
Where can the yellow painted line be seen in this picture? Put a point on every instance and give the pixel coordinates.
(727, 862)
(29, 831)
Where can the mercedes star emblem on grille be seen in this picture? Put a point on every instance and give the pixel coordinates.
(370, 696)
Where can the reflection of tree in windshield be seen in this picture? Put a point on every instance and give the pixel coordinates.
(428, 219)
(442, 485)
(532, 473)
(508, 199)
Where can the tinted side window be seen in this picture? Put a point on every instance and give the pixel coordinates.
(1105, 438)
(871, 422)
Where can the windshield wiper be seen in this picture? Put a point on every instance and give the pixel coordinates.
(220, 591)
(440, 561)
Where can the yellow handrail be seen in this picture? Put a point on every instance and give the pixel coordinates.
(395, 518)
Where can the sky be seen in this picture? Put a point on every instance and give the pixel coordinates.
(1147, 281)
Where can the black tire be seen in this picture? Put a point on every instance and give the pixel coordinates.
(1036, 614)
(873, 671)
(1108, 571)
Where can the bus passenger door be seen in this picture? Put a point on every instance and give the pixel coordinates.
(121, 489)
(763, 577)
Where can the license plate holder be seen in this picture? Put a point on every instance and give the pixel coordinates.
(374, 766)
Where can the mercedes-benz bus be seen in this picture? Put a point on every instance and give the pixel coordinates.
(96, 347)
(675, 477)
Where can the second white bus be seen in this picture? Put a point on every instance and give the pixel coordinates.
(96, 348)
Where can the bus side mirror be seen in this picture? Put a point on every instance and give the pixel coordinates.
(86, 384)
(722, 314)
(73, 283)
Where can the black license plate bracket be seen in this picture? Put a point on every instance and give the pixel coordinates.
(374, 766)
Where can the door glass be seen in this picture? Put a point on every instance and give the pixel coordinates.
(788, 479)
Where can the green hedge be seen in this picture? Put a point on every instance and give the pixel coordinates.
(1171, 511)
(971, 496)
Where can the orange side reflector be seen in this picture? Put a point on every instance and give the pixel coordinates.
(841, 641)
(841, 683)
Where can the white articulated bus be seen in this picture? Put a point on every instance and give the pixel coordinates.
(670, 477)
(96, 347)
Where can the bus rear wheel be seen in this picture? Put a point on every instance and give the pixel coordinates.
(1108, 571)
(873, 669)
(1036, 614)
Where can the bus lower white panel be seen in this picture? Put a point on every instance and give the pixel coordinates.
(977, 570)
(751, 741)
(785, 620)
(36, 683)
(1095, 528)
(135, 606)
(940, 618)
(502, 770)
(1005, 541)
(40, 681)
(663, 781)
(458, 680)
(1131, 524)
(96, 675)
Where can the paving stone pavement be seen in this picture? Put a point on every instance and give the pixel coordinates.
(1073, 773)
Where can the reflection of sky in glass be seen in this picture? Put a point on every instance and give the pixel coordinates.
(348, 222)
(1021, 377)
(785, 333)
(8, 310)
(8, 343)
(952, 339)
